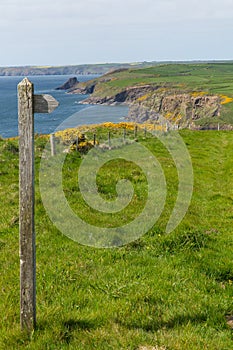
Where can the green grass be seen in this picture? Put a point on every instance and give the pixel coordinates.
(171, 291)
(212, 77)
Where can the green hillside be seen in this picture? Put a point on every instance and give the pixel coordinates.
(164, 291)
(210, 77)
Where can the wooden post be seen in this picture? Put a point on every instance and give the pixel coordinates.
(26, 199)
(145, 132)
(218, 127)
(52, 145)
(28, 104)
(94, 139)
(77, 143)
(124, 134)
(135, 131)
(109, 139)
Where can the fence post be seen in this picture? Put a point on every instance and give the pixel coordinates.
(124, 134)
(26, 213)
(94, 139)
(135, 131)
(109, 139)
(77, 143)
(52, 144)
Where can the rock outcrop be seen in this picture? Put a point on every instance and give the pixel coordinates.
(150, 103)
(71, 83)
(83, 89)
(177, 108)
(128, 95)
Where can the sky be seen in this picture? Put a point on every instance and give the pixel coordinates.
(66, 32)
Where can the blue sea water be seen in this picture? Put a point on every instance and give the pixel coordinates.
(68, 114)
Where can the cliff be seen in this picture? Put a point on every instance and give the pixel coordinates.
(152, 103)
(128, 95)
(178, 108)
(182, 94)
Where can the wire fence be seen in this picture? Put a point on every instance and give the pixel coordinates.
(85, 137)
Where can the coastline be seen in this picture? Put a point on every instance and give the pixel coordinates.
(44, 123)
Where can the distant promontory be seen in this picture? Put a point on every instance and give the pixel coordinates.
(84, 69)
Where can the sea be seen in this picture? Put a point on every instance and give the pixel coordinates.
(69, 113)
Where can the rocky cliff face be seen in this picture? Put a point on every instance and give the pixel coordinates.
(178, 108)
(128, 95)
(84, 88)
(153, 103)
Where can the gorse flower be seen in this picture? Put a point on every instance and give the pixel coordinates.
(80, 138)
(225, 99)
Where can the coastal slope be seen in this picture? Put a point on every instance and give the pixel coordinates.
(194, 95)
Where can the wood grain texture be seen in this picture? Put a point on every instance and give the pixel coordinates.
(44, 103)
(52, 145)
(26, 211)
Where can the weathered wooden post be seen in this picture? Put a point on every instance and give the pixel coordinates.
(26, 205)
(77, 141)
(28, 104)
(109, 139)
(52, 145)
(135, 131)
(94, 139)
(124, 135)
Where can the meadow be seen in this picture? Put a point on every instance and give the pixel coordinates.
(163, 291)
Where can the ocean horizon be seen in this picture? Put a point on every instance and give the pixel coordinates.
(69, 113)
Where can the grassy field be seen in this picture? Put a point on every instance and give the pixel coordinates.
(209, 77)
(163, 291)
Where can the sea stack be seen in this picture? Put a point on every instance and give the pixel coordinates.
(69, 84)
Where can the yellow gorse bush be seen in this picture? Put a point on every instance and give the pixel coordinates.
(72, 134)
(198, 93)
(225, 99)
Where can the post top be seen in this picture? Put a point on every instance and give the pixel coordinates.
(25, 81)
